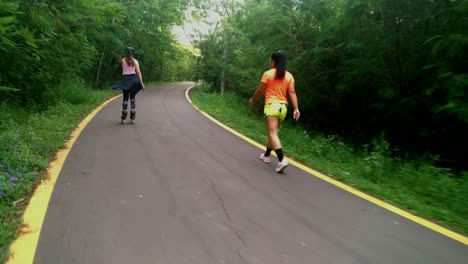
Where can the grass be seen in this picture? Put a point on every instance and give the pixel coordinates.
(29, 138)
(414, 185)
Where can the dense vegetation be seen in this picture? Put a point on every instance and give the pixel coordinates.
(45, 42)
(364, 69)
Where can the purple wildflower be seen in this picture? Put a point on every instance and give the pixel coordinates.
(1, 193)
(5, 173)
(1, 185)
(12, 184)
(12, 179)
(10, 169)
(20, 174)
(2, 166)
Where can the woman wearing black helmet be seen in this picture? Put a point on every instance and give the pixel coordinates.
(131, 83)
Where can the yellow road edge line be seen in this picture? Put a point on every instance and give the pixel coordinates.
(23, 249)
(426, 223)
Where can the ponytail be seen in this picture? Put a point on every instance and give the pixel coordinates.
(129, 53)
(279, 57)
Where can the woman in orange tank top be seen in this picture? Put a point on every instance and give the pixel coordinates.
(276, 83)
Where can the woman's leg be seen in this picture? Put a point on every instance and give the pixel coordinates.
(269, 143)
(271, 112)
(125, 104)
(132, 105)
(272, 124)
(126, 94)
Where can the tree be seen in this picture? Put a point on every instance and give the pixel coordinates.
(363, 68)
(47, 42)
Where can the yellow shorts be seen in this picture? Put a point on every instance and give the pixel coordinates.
(275, 110)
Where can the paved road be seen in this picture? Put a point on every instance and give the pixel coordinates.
(176, 188)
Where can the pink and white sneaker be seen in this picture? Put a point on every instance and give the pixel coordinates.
(281, 166)
(264, 158)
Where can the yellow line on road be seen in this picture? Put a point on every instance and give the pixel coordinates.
(24, 247)
(442, 230)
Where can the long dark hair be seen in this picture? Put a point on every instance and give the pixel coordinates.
(129, 53)
(279, 57)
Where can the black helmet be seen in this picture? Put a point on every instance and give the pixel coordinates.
(129, 50)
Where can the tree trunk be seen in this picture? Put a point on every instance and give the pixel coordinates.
(223, 70)
(98, 74)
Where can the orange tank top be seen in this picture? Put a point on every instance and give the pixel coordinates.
(276, 89)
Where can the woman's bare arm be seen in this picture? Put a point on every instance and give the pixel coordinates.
(138, 72)
(260, 90)
(293, 97)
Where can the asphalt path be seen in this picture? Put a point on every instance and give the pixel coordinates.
(176, 188)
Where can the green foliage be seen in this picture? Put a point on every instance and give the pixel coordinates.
(362, 68)
(45, 42)
(150, 23)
